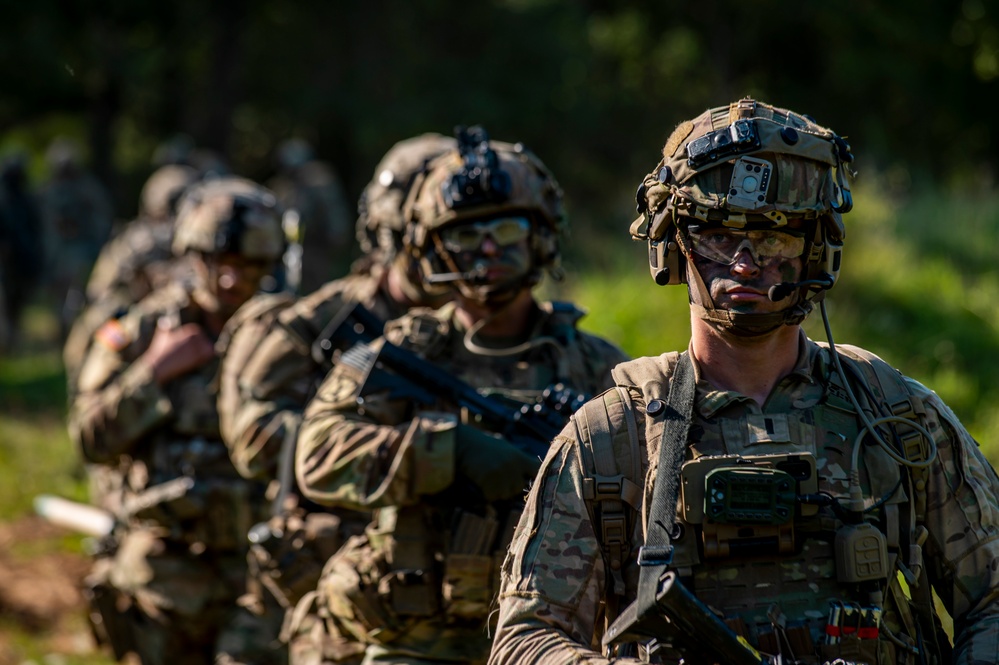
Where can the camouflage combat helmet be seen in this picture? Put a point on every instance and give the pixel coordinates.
(161, 192)
(380, 224)
(748, 165)
(230, 215)
(479, 180)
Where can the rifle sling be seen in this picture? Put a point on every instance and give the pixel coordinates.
(656, 555)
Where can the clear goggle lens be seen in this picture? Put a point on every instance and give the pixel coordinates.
(468, 237)
(766, 247)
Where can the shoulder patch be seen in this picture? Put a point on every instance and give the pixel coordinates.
(112, 335)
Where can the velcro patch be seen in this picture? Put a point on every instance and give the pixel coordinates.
(768, 428)
(681, 132)
(112, 335)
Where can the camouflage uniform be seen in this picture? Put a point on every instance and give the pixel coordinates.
(440, 614)
(131, 265)
(272, 369)
(417, 586)
(901, 500)
(268, 376)
(556, 580)
(181, 562)
(176, 561)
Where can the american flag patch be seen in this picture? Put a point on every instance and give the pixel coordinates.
(112, 335)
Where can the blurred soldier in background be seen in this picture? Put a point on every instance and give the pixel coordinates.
(270, 371)
(77, 218)
(21, 243)
(134, 263)
(180, 150)
(416, 587)
(147, 407)
(317, 217)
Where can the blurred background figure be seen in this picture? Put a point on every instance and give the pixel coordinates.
(135, 262)
(21, 248)
(77, 216)
(181, 150)
(317, 217)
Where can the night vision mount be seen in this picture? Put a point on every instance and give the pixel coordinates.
(480, 180)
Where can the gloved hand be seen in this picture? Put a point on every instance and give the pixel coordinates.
(498, 469)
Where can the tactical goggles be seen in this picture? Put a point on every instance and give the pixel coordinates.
(766, 247)
(468, 237)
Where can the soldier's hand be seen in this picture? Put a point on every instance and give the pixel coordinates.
(494, 465)
(177, 351)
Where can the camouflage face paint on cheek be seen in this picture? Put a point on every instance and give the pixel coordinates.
(788, 271)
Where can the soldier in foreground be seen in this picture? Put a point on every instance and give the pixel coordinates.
(417, 586)
(789, 486)
(147, 408)
(271, 370)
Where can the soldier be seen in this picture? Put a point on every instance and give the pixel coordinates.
(789, 485)
(317, 217)
(416, 587)
(76, 215)
(134, 263)
(147, 407)
(270, 371)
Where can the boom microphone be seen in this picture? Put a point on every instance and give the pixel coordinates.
(476, 275)
(780, 291)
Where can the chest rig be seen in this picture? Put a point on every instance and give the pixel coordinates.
(778, 527)
(443, 560)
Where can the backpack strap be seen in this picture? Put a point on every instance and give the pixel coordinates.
(605, 427)
(605, 489)
(656, 554)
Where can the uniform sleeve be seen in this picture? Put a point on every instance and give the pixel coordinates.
(553, 576)
(374, 453)
(962, 548)
(118, 403)
(264, 386)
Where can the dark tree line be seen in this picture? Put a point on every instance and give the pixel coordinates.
(593, 86)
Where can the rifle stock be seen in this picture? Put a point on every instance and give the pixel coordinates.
(683, 622)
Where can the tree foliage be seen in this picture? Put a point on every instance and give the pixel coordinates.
(594, 86)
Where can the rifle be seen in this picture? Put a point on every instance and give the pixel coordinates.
(680, 621)
(86, 519)
(93, 521)
(404, 375)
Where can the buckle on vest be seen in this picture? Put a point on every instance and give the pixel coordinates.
(655, 555)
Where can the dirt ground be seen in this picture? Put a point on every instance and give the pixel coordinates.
(41, 602)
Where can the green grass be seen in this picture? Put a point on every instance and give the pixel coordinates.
(37, 457)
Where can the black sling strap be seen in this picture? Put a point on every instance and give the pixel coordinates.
(655, 556)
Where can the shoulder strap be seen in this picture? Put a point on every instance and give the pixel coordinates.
(657, 553)
(604, 487)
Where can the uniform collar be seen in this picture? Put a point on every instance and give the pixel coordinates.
(710, 400)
